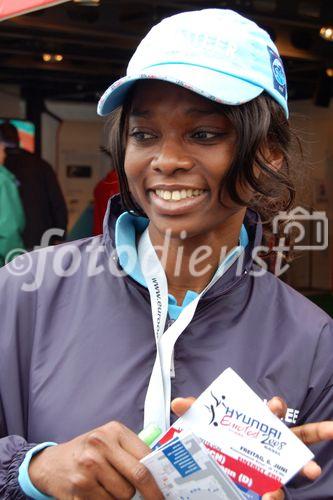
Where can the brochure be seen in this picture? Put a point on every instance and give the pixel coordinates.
(250, 445)
(183, 469)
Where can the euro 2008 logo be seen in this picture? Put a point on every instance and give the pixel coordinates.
(279, 72)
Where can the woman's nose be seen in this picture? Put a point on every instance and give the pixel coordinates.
(170, 157)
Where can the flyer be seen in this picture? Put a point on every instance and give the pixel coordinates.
(184, 470)
(251, 445)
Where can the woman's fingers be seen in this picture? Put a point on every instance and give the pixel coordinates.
(98, 493)
(179, 406)
(278, 406)
(113, 482)
(311, 470)
(138, 476)
(314, 433)
(308, 434)
(274, 495)
(123, 455)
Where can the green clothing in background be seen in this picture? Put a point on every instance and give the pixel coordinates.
(12, 219)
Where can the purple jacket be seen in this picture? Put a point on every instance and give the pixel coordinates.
(78, 351)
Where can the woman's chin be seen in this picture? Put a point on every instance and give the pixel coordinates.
(177, 227)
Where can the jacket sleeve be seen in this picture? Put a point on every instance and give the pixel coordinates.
(57, 202)
(17, 317)
(11, 219)
(318, 406)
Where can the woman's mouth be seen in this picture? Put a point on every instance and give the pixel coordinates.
(177, 201)
(177, 195)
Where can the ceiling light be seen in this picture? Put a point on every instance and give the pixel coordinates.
(88, 3)
(53, 57)
(326, 32)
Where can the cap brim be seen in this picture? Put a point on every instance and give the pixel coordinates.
(219, 87)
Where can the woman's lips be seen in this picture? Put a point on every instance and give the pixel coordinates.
(176, 207)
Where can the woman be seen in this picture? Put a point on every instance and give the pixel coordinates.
(79, 346)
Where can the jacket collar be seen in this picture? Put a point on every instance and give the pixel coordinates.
(234, 274)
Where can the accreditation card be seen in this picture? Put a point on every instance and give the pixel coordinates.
(251, 445)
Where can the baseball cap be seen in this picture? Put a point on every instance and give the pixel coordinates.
(214, 52)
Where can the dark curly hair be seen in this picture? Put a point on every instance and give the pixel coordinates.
(260, 125)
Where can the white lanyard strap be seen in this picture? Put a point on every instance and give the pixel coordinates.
(158, 397)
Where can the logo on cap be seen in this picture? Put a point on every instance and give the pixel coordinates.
(279, 77)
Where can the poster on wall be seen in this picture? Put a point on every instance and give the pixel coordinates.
(12, 8)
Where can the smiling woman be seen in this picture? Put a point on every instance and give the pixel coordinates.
(179, 149)
(255, 176)
(172, 293)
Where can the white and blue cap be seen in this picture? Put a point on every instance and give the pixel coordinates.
(216, 53)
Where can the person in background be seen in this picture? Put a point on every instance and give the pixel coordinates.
(11, 212)
(106, 188)
(42, 199)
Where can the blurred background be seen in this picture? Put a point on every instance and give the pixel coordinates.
(56, 62)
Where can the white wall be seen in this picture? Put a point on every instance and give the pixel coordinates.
(79, 146)
(65, 111)
(74, 141)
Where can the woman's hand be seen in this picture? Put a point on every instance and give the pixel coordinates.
(309, 434)
(101, 464)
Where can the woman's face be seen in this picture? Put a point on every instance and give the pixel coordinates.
(179, 148)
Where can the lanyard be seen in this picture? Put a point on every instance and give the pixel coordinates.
(158, 397)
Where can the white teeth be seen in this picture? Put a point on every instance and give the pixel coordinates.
(178, 195)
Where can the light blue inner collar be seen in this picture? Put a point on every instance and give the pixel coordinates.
(128, 228)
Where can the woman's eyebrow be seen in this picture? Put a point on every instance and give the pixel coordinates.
(139, 113)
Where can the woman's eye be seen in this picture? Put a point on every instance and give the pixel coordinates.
(141, 136)
(205, 134)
